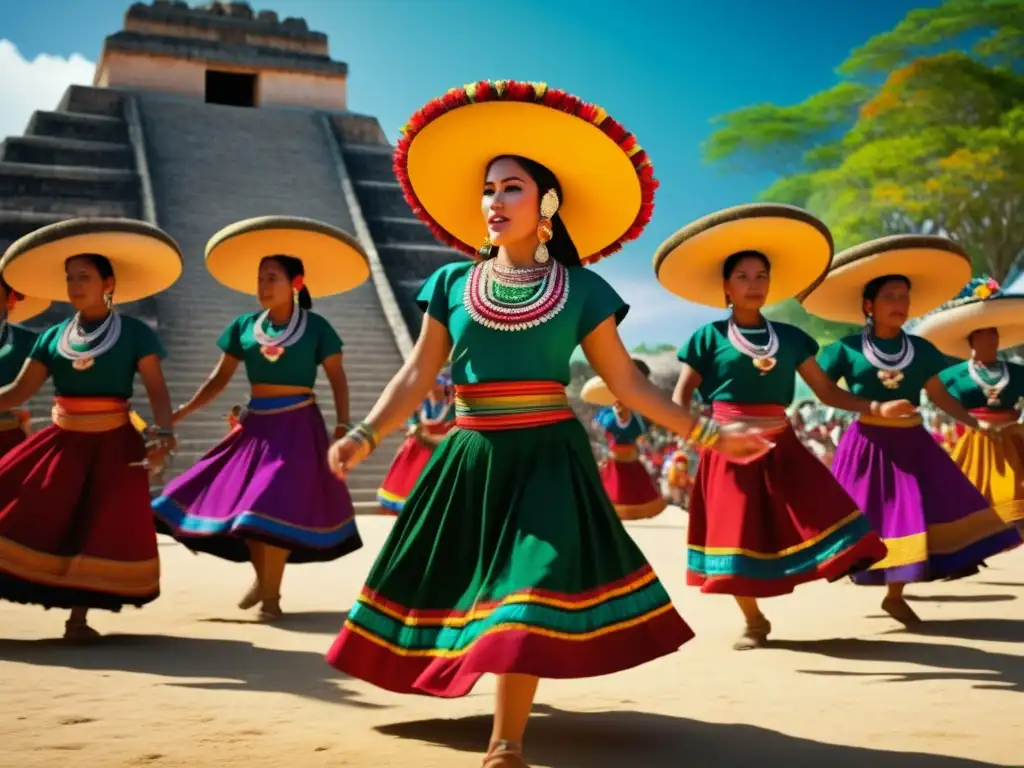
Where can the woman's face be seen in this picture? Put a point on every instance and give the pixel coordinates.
(985, 343)
(510, 204)
(747, 286)
(86, 288)
(892, 304)
(273, 286)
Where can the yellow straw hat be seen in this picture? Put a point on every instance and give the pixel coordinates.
(146, 260)
(596, 392)
(979, 305)
(26, 308)
(936, 267)
(333, 260)
(798, 247)
(442, 157)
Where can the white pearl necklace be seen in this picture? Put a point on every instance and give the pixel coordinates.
(74, 338)
(992, 391)
(272, 347)
(890, 367)
(762, 355)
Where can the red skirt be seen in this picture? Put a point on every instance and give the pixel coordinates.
(629, 486)
(760, 529)
(10, 439)
(76, 527)
(407, 466)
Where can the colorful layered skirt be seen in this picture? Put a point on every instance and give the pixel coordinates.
(629, 486)
(268, 481)
(76, 528)
(15, 427)
(407, 466)
(996, 466)
(507, 558)
(760, 529)
(935, 523)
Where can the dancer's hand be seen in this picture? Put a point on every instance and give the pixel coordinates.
(743, 446)
(896, 409)
(345, 454)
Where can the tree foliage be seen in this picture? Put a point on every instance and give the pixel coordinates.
(937, 147)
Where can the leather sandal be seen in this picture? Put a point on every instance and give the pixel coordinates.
(251, 598)
(80, 632)
(505, 754)
(270, 610)
(754, 636)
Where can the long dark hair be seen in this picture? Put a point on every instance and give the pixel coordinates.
(293, 268)
(872, 289)
(8, 291)
(560, 246)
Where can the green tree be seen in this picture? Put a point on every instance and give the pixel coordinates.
(938, 146)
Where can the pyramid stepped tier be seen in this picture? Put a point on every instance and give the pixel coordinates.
(407, 249)
(79, 160)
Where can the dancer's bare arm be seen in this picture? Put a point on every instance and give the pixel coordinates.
(213, 386)
(32, 376)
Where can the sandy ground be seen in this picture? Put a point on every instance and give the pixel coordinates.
(191, 681)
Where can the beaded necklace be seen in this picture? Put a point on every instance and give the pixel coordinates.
(77, 346)
(890, 367)
(761, 355)
(512, 299)
(272, 347)
(992, 389)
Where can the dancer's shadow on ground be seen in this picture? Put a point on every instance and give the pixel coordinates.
(626, 739)
(960, 598)
(314, 622)
(205, 663)
(988, 670)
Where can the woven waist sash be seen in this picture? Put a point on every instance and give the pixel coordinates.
(625, 453)
(90, 414)
(767, 417)
(882, 421)
(510, 405)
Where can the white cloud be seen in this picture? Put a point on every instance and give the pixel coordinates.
(26, 86)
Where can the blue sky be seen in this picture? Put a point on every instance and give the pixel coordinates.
(664, 69)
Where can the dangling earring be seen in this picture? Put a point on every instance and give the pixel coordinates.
(295, 296)
(485, 250)
(545, 230)
(108, 299)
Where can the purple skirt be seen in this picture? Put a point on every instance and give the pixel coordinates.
(268, 480)
(933, 521)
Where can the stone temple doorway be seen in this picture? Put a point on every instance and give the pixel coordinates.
(233, 89)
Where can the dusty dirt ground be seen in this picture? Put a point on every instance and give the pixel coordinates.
(191, 681)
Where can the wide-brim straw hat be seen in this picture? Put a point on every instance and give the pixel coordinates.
(146, 260)
(596, 392)
(26, 308)
(442, 157)
(798, 247)
(936, 267)
(949, 328)
(333, 260)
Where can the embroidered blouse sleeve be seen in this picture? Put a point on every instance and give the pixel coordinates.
(434, 295)
(328, 342)
(600, 301)
(45, 346)
(230, 341)
(696, 352)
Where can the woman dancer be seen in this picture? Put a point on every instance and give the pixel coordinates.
(976, 325)
(76, 529)
(15, 345)
(626, 480)
(428, 426)
(762, 529)
(508, 557)
(934, 522)
(264, 494)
